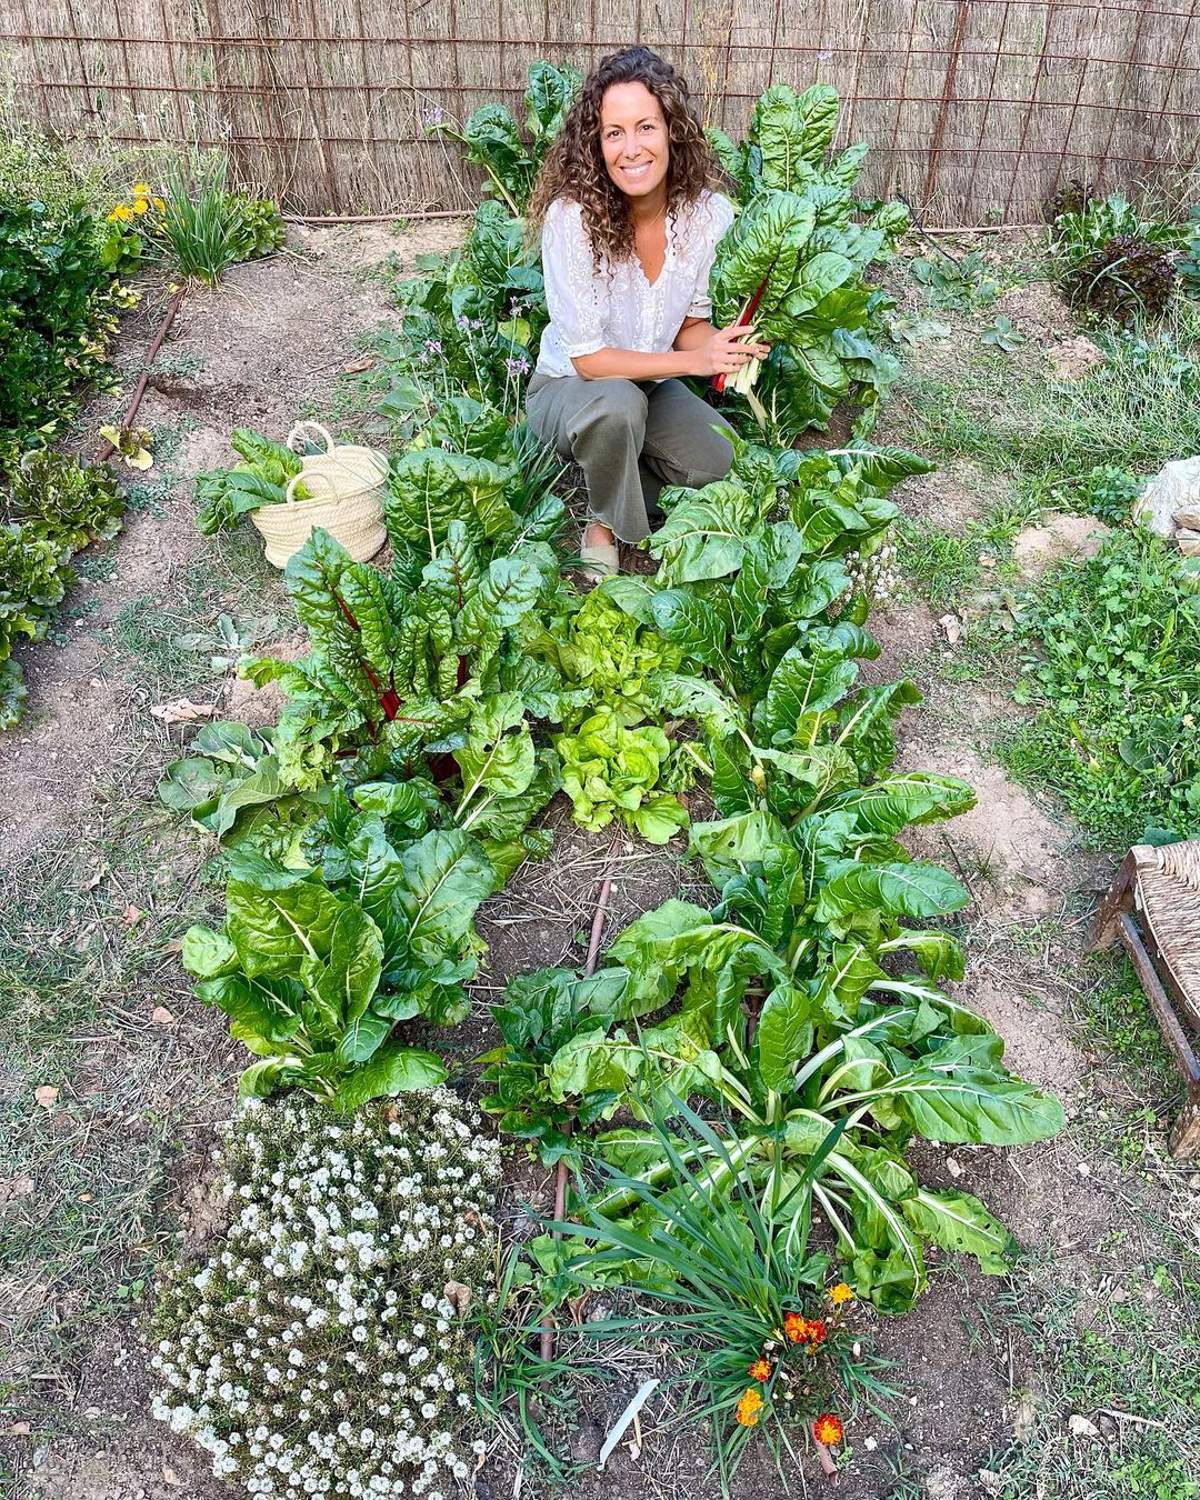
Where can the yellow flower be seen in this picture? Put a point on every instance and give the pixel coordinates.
(140, 205)
(748, 1407)
(840, 1293)
(159, 206)
(122, 212)
(140, 190)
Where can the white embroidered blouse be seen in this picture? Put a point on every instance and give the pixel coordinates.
(620, 308)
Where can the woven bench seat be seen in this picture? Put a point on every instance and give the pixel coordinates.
(1153, 909)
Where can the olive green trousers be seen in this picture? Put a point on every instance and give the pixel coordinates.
(629, 437)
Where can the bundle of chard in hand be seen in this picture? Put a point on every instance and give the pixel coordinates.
(792, 264)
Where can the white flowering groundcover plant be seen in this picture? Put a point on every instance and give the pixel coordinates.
(321, 1350)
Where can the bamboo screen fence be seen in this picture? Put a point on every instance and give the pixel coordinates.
(975, 109)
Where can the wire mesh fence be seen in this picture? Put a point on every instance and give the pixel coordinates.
(976, 109)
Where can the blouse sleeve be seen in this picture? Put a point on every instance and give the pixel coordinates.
(574, 295)
(720, 217)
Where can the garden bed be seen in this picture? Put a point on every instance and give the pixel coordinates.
(99, 884)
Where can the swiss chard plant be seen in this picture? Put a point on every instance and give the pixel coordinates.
(789, 1003)
(493, 140)
(261, 478)
(794, 264)
(316, 966)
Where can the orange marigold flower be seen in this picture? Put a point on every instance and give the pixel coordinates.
(815, 1331)
(827, 1429)
(795, 1326)
(748, 1407)
(760, 1369)
(841, 1293)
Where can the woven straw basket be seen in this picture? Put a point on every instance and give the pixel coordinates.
(348, 483)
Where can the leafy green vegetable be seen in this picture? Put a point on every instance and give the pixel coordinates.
(58, 311)
(316, 965)
(491, 139)
(610, 771)
(225, 495)
(57, 499)
(794, 260)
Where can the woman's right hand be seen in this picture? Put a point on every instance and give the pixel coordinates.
(728, 350)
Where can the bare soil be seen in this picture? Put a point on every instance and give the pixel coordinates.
(265, 346)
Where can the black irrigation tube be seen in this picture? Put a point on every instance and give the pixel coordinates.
(107, 449)
(560, 1172)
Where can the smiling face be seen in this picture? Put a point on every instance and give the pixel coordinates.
(634, 139)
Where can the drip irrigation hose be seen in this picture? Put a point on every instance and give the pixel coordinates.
(397, 218)
(560, 1171)
(107, 449)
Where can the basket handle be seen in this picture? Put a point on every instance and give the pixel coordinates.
(301, 431)
(291, 499)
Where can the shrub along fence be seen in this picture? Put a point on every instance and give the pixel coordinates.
(976, 109)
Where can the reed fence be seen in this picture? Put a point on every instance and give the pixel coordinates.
(976, 109)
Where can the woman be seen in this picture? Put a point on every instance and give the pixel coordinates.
(629, 230)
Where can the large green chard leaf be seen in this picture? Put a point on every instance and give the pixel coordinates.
(276, 927)
(705, 534)
(957, 1221)
(784, 1033)
(430, 488)
(392, 1070)
(550, 92)
(440, 881)
(888, 805)
(807, 680)
(346, 980)
(793, 132)
(902, 890)
(950, 1102)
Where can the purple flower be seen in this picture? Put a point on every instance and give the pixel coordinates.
(517, 367)
(463, 322)
(434, 115)
(433, 346)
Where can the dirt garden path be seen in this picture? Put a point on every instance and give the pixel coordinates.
(99, 886)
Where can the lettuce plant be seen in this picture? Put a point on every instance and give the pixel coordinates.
(50, 507)
(610, 771)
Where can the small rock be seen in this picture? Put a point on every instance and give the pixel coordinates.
(1073, 358)
(1173, 490)
(953, 1167)
(1039, 547)
(1081, 1427)
(1190, 546)
(1083, 1169)
(161, 1016)
(952, 625)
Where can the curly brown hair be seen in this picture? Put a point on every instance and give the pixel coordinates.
(574, 165)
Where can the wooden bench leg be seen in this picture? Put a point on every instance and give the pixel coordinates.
(1185, 1137)
(1106, 929)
